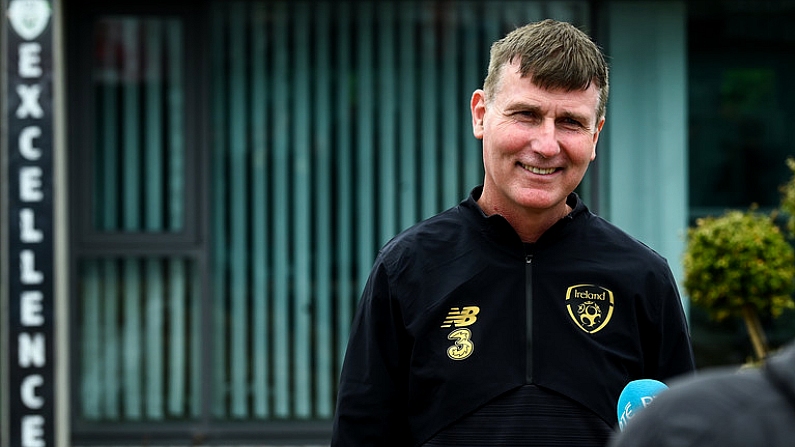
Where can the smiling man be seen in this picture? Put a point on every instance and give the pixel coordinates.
(516, 317)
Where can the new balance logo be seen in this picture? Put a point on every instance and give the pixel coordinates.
(461, 316)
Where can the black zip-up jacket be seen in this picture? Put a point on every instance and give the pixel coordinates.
(458, 310)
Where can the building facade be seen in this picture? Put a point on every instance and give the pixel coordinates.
(193, 194)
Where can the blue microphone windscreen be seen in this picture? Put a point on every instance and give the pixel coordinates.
(635, 397)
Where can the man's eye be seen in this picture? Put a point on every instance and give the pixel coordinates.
(526, 114)
(570, 122)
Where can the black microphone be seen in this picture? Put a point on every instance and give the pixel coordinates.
(636, 396)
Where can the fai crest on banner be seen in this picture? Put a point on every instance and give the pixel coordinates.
(590, 306)
(29, 18)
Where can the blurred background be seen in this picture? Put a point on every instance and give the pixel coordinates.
(232, 167)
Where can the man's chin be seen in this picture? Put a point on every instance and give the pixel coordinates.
(535, 200)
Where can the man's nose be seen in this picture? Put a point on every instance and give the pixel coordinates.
(545, 141)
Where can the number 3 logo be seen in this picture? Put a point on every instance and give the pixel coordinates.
(463, 346)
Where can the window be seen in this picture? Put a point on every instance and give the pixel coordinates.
(137, 248)
(138, 311)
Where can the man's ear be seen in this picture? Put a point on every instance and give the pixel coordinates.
(599, 126)
(478, 108)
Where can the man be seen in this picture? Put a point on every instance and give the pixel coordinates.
(723, 407)
(516, 317)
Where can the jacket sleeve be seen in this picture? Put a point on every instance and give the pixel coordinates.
(372, 396)
(669, 344)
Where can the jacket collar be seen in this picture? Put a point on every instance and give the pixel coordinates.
(497, 227)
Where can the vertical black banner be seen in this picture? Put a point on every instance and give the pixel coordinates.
(30, 324)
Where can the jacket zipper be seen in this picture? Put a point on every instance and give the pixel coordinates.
(529, 316)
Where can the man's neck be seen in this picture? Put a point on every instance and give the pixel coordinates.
(528, 224)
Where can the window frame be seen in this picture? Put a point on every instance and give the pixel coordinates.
(81, 139)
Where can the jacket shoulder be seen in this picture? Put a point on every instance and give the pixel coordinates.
(610, 236)
(428, 236)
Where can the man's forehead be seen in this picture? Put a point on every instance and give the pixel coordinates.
(524, 92)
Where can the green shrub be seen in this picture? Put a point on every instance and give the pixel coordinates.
(740, 265)
(738, 259)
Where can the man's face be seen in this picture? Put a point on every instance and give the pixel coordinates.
(537, 143)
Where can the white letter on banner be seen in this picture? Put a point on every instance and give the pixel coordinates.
(29, 59)
(29, 94)
(30, 184)
(26, 138)
(27, 227)
(31, 350)
(27, 266)
(28, 391)
(31, 308)
(33, 431)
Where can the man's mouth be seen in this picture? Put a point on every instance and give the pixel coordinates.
(537, 170)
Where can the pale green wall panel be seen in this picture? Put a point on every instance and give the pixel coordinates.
(323, 260)
(646, 130)
(303, 202)
(280, 191)
(343, 245)
(218, 193)
(386, 98)
(260, 216)
(238, 202)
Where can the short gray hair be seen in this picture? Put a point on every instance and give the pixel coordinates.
(556, 54)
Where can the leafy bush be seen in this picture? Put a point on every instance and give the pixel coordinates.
(738, 259)
(740, 265)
